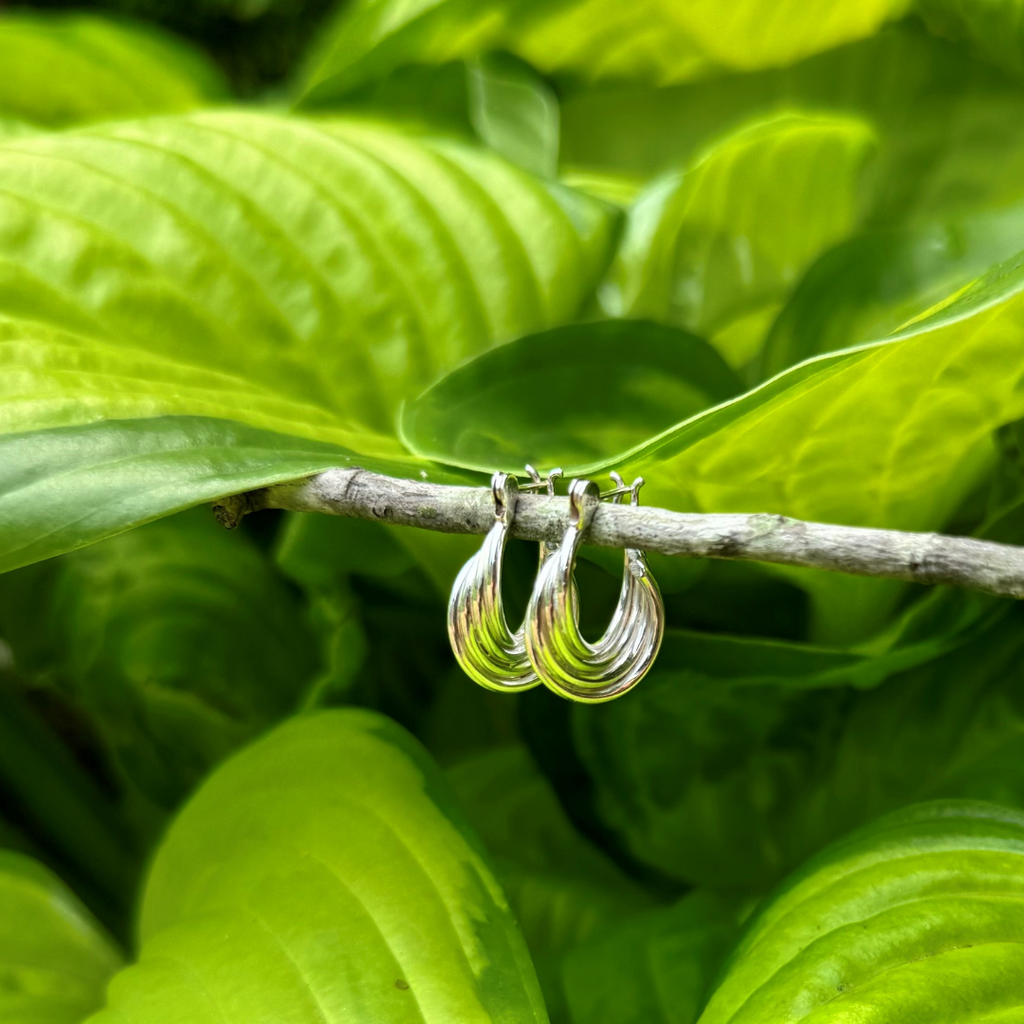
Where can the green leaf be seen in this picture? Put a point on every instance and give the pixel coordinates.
(728, 767)
(325, 874)
(55, 960)
(876, 282)
(561, 887)
(654, 968)
(572, 396)
(725, 239)
(177, 639)
(515, 112)
(293, 276)
(950, 129)
(892, 434)
(62, 69)
(992, 28)
(915, 918)
(657, 41)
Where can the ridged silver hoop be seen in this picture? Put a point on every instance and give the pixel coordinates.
(489, 652)
(563, 660)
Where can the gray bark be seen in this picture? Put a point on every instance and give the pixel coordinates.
(917, 557)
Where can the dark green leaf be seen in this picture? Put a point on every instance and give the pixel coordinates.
(717, 773)
(178, 640)
(325, 874)
(654, 968)
(561, 887)
(571, 397)
(992, 28)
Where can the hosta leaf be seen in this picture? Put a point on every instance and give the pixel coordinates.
(993, 28)
(893, 434)
(178, 640)
(64, 68)
(293, 276)
(916, 917)
(656, 40)
(728, 236)
(876, 282)
(654, 968)
(562, 888)
(950, 129)
(323, 875)
(55, 960)
(720, 771)
(571, 396)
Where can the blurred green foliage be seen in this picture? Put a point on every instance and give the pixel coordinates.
(768, 255)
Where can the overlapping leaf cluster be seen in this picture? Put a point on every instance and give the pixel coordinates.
(769, 256)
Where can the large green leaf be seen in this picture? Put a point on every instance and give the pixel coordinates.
(727, 767)
(993, 28)
(324, 875)
(562, 888)
(567, 397)
(62, 68)
(654, 968)
(915, 918)
(178, 640)
(656, 40)
(950, 129)
(55, 960)
(874, 283)
(716, 247)
(293, 276)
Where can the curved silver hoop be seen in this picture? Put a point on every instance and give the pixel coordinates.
(489, 652)
(564, 661)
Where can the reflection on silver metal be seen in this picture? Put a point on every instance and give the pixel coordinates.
(564, 661)
(488, 651)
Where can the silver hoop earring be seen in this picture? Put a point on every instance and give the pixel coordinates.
(488, 651)
(561, 658)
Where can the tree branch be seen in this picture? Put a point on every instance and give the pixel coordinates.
(916, 557)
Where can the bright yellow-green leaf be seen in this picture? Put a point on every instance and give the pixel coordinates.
(918, 917)
(62, 68)
(55, 960)
(300, 277)
(653, 40)
(727, 238)
(324, 876)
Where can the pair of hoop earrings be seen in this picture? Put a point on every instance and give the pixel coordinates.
(548, 647)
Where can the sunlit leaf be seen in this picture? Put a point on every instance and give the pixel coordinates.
(950, 129)
(568, 397)
(63, 68)
(324, 874)
(873, 284)
(916, 917)
(654, 40)
(55, 960)
(293, 276)
(727, 237)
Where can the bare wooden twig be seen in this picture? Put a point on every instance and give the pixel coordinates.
(917, 557)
